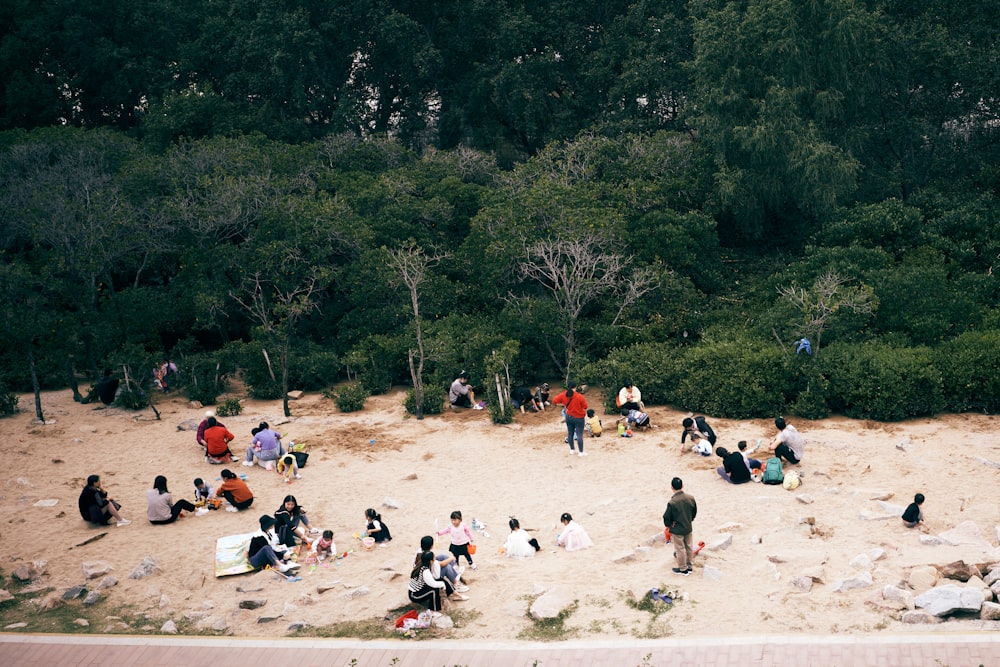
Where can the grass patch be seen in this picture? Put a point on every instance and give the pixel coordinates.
(550, 629)
(658, 625)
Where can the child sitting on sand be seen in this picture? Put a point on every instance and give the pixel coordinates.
(202, 491)
(375, 529)
(593, 425)
(324, 547)
(913, 516)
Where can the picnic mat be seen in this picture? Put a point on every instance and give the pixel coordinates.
(231, 555)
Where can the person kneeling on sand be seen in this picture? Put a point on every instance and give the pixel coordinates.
(734, 468)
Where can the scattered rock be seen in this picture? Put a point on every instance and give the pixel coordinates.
(890, 592)
(96, 568)
(816, 573)
(876, 554)
(550, 604)
(805, 499)
(922, 578)
(804, 584)
(144, 569)
(958, 570)
(730, 527)
(358, 592)
(719, 542)
(918, 616)
(295, 394)
(391, 503)
(50, 602)
(755, 539)
(26, 572)
(994, 575)
(931, 540)
(74, 593)
(877, 516)
(107, 582)
(862, 562)
(82, 622)
(947, 599)
(774, 558)
(15, 626)
(711, 573)
(93, 597)
(190, 424)
(882, 495)
(298, 625)
(169, 628)
(891, 508)
(164, 601)
(990, 611)
(5, 595)
(411, 477)
(860, 580)
(443, 622)
(268, 619)
(253, 603)
(196, 615)
(327, 585)
(626, 557)
(388, 575)
(966, 532)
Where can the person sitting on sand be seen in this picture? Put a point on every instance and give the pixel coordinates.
(519, 543)
(573, 537)
(266, 447)
(217, 439)
(265, 550)
(235, 490)
(291, 521)
(460, 395)
(107, 387)
(788, 444)
(95, 505)
(160, 505)
(423, 588)
(697, 424)
(734, 468)
(630, 398)
(199, 435)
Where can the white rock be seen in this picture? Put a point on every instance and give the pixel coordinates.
(860, 580)
(711, 573)
(805, 499)
(876, 516)
(890, 592)
(624, 557)
(719, 542)
(550, 604)
(965, 533)
(391, 503)
(918, 616)
(943, 600)
(730, 527)
(96, 568)
(891, 508)
(169, 628)
(990, 611)
(931, 540)
(876, 554)
(443, 622)
(922, 578)
(804, 584)
(862, 562)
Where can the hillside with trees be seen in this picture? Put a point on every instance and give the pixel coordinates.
(386, 192)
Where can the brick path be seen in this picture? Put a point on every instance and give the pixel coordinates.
(917, 649)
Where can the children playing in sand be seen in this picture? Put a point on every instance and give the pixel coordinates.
(913, 516)
(202, 491)
(593, 426)
(573, 537)
(324, 547)
(375, 529)
(461, 538)
(519, 543)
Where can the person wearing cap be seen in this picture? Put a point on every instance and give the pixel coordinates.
(200, 433)
(264, 548)
(630, 398)
(461, 395)
(235, 490)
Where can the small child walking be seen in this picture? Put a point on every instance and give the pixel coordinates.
(461, 538)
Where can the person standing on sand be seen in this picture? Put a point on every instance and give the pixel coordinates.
(788, 444)
(576, 415)
(679, 517)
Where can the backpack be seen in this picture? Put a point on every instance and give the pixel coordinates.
(773, 473)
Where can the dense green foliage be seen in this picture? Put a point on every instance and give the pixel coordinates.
(672, 192)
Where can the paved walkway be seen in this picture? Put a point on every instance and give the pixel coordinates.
(919, 650)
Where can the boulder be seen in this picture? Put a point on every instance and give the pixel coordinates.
(891, 508)
(994, 575)
(107, 582)
(876, 554)
(719, 542)
(550, 604)
(26, 572)
(93, 597)
(295, 394)
(918, 616)
(442, 622)
(169, 628)
(5, 595)
(624, 557)
(950, 598)
(51, 601)
(144, 569)
(860, 580)
(990, 611)
(931, 540)
(805, 499)
(890, 592)
(922, 578)
(82, 622)
(958, 570)
(74, 593)
(965, 533)
(804, 584)
(356, 593)
(297, 625)
(253, 603)
(862, 562)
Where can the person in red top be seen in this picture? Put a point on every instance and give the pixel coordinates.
(217, 439)
(576, 415)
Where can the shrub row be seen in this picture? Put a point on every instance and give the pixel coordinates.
(873, 380)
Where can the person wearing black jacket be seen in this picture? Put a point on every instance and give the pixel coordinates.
(264, 548)
(701, 426)
(734, 467)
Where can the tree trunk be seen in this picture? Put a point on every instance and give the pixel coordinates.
(418, 388)
(35, 384)
(286, 347)
(71, 380)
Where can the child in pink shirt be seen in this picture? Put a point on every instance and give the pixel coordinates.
(461, 538)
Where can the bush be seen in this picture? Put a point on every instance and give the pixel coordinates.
(350, 397)
(434, 400)
(882, 382)
(8, 401)
(249, 357)
(230, 407)
(968, 366)
(314, 368)
(654, 367)
(132, 399)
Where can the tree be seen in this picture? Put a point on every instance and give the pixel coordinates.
(576, 272)
(411, 265)
(829, 296)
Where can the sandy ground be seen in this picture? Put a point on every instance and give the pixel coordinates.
(460, 460)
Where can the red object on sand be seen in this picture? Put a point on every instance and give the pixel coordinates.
(701, 545)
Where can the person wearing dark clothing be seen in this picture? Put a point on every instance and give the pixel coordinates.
(679, 517)
(913, 515)
(701, 426)
(734, 467)
(107, 388)
(523, 399)
(96, 507)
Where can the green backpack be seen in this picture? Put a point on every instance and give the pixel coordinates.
(773, 474)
